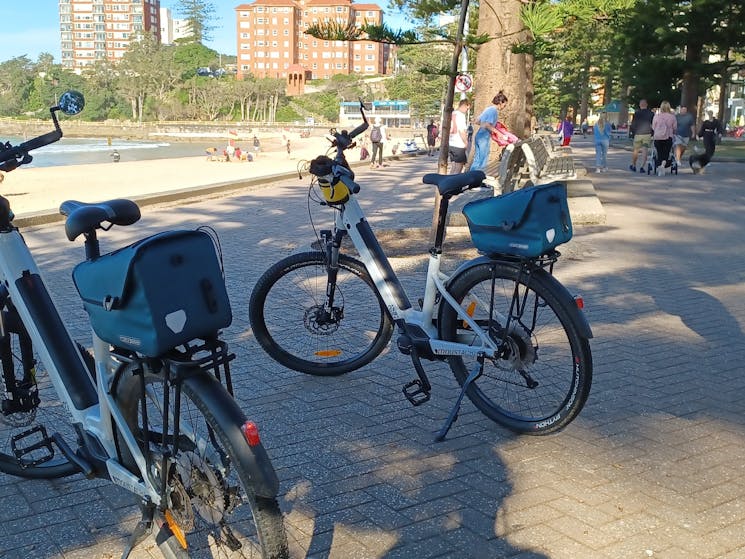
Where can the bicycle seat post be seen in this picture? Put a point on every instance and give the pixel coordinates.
(439, 221)
(92, 246)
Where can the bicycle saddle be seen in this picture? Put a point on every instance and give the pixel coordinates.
(83, 217)
(450, 185)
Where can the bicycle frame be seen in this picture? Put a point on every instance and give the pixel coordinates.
(351, 219)
(90, 405)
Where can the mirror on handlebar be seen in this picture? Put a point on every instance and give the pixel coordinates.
(71, 102)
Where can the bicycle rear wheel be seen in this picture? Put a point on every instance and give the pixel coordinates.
(290, 319)
(211, 499)
(542, 377)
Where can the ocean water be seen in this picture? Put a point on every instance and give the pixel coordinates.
(80, 151)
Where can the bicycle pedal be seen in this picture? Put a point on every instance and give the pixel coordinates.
(415, 392)
(39, 442)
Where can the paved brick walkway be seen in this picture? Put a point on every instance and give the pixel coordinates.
(653, 467)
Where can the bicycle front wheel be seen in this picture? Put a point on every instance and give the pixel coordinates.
(211, 503)
(541, 378)
(292, 321)
(31, 410)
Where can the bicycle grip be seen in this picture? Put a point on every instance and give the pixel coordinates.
(353, 187)
(359, 130)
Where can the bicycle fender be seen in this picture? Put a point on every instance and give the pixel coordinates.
(225, 410)
(567, 301)
(562, 294)
(478, 261)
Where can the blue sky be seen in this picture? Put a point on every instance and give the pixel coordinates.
(31, 27)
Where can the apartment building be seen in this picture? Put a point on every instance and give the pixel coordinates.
(92, 30)
(172, 28)
(271, 39)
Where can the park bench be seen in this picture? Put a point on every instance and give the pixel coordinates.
(509, 170)
(545, 165)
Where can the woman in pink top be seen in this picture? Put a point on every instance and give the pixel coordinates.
(664, 127)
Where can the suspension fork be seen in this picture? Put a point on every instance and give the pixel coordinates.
(332, 245)
(22, 391)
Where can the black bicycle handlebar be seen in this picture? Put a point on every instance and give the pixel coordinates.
(12, 157)
(344, 140)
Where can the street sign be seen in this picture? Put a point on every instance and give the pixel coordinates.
(463, 83)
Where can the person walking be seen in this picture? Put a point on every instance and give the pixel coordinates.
(686, 130)
(664, 127)
(565, 130)
(640, 131)
(601, 132)
(458, 139)
(378, 139)
(710, 132)
(432, 135)
(486, 122)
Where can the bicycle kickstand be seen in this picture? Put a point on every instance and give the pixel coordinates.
(142, 530)
(473, 375)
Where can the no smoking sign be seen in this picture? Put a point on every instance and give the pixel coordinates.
(463, 83)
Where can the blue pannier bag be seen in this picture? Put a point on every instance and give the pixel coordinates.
(156, 294)
(528, 222)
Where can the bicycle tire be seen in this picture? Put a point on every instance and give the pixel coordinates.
(210, 512)
(546, 344)
(284, 314)
(49, 413)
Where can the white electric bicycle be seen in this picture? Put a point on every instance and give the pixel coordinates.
(156, 419)
(515, 339)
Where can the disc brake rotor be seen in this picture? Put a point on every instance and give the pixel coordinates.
(318, 321)
(520, 352)
(204, 487)
(181, 508)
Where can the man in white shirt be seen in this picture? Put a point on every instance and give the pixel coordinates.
(458, 140)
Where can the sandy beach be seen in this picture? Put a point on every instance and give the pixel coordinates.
(34, 190)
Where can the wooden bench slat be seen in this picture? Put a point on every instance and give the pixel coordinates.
(544, 164)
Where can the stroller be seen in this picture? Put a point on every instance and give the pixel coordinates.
(654, 165)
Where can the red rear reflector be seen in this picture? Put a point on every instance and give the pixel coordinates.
(580, 302)
(251, 433)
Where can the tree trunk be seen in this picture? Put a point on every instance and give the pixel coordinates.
(498, 68)
(723, 82)
(690, 90)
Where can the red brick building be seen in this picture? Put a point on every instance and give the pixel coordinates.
(271, 39)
